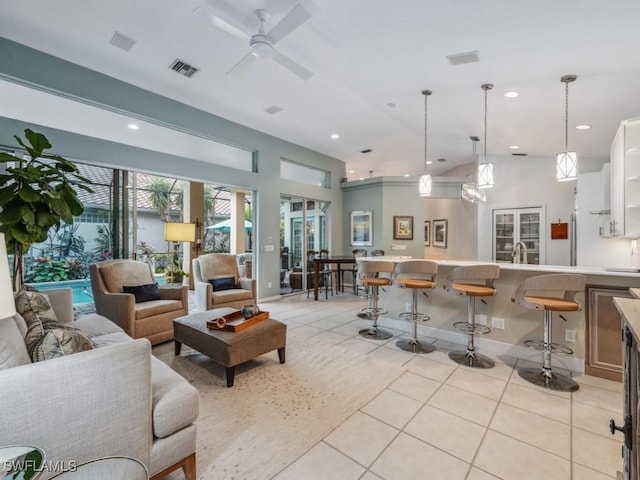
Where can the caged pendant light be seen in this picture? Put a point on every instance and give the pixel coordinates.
(485, 169)
(567, 162)
(425, 183)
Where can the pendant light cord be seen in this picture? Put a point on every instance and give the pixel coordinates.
(566, 116)
(486, 87)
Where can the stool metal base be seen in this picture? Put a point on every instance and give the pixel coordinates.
(414, 346)
(548, 379)
(414, 317)
(365, 315)
(471, 359)
(375, 333)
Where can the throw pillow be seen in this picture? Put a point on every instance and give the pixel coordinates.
(144, 293)
(31, 303)
(225, 283)
(58, 340)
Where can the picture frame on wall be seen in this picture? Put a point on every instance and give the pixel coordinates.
(427, 233)
(440, 233)
(361, 228)
(402, 227)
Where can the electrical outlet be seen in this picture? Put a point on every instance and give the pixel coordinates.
(569, 335)
(481, 319)
(269, 285)
(498, 323)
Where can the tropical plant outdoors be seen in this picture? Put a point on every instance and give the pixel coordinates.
(37, 194)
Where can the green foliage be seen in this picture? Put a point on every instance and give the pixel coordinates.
(45, 269)
(36, 195)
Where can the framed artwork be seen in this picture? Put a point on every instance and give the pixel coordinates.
(427, 233)
(361, 228)
(440, 233)
(402, 228)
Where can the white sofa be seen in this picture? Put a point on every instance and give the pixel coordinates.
(114, 400)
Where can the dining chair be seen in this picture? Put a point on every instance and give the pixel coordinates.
(324, 276)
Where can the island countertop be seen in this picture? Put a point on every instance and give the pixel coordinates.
(542, 269)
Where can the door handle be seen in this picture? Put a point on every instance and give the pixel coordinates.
(625, 429)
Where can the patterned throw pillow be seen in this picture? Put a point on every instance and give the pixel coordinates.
(46, 337)
(57, 340)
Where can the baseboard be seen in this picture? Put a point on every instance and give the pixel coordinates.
(487, 345)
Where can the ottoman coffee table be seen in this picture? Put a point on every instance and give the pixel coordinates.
(229, 348)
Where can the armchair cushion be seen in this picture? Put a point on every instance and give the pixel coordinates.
(143, 293)
(224, 283)
(156, 307)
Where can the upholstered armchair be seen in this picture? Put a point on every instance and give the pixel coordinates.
(218, 283)
(151, 316)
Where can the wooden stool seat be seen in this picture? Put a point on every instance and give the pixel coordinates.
(474, 290)
(416, 283)
(552, 303)
(376, 281)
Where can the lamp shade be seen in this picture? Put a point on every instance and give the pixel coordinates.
(425, 186)
(567, 166)
(485, 175)
(7, 302)
(180, 232)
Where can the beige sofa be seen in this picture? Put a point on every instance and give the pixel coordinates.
(216, 266)
(114, 400)
(152, 320)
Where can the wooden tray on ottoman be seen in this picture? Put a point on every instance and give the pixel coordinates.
(235, 321)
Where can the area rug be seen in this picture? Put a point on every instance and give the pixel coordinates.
(275, 413)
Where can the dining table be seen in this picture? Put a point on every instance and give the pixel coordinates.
(319, 263)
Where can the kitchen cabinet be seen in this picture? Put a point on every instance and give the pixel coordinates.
(511, 226)
(625, 181)
(604, 350)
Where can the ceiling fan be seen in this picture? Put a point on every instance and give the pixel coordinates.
(261, 44)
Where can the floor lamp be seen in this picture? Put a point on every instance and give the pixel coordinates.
(177, 232)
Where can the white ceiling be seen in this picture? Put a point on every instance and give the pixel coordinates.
(364, 55)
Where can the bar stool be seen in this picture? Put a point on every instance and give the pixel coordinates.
(458, 284)
(422, 276)
(566, 287)
(369, 275)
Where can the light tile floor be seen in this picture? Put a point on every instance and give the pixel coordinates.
(443, 421)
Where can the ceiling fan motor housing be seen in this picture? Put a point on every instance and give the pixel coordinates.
(261, 46)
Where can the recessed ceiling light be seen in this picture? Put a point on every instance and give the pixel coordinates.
(361, 178)
(335, 136)
(511, 94)
(133, 126)
(406, 175)
(514, 147)
(352, 171)
(429, 162)
(583, 127)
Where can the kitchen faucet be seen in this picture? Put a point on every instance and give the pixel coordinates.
(515, 254)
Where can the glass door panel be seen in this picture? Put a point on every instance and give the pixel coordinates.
(504, 236)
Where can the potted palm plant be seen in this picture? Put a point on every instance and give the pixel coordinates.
(37, 193)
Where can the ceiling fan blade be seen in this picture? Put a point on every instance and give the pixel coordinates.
(292, 66)
(227, 27)
(240, 67)
(296, 17)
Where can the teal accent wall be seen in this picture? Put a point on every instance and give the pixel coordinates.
(26, 66)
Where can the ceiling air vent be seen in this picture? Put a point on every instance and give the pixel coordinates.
(183, 68)
(366, 150)
(462, 58)
(519, 154)
(122, 41)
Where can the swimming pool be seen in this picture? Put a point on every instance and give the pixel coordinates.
(81, 289)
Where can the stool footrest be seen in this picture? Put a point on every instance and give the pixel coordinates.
(414, 317)
(471, 328)
(556, 348)
(375, 311)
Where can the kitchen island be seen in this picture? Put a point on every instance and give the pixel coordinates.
(519, 324)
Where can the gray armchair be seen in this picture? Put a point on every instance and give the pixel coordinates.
(218, 266)
(151, 319)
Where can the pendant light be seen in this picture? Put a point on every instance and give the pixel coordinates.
(567, 162)
(485, 169)
(425, 183)
(470, 191)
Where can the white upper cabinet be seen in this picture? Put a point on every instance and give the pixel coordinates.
(625, 180)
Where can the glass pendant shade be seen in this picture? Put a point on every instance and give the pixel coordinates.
(567, 166)
(485, 175)
(425, 186)
(471, 193)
